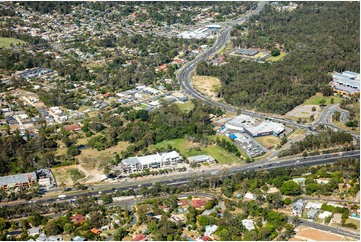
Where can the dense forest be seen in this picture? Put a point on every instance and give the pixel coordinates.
(324, 139)
(315, 46)
(18, 156)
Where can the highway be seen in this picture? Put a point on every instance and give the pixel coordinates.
(184, 80)
(187, 177)
(184, 74)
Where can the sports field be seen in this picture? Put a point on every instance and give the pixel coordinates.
(6, 42)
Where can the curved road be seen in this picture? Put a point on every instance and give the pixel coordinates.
(184, 79)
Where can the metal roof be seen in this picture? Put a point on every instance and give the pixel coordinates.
(12, 179)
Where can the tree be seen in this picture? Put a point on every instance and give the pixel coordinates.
(53, 228)
(284, 140)
(322, 102)
(275, 52)
(120, 234)
(312, 118)
(291, 188)
(313, 109)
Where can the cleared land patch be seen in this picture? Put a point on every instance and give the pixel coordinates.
(268, 140)
(186, 106)
(6, 42)
(304, 111)
(188, 148)
(207, 85)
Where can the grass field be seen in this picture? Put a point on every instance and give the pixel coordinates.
(186, 106)
(188, 148)
(315, 100)
(5, 42)
(276, 58)
(268, 140)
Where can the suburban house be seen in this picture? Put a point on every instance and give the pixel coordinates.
(78, 238)
(324, 215)
(297, 207)
(346, 83)
(198, 203)
(34, 231)
(210, 230)
(313, 205)
(139, 237)
(133, 164)
(78, 218)
(311, 214)
(95, 231)
(248, 224)
(19, 180)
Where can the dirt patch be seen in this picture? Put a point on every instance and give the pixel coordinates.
(207, 85)
(304, 111)
(306, 233)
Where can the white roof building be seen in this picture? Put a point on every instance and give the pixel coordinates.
(248, 224)
(249, 195)
(314, 205)
(210, 230)
(132, 164)
(324, 215)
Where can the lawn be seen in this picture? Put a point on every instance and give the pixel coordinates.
(276, 58)
(355, 222)
(5, 42)
(188, 148)
(315, 100)
(186, 106)
(143, 106)
(268, 140)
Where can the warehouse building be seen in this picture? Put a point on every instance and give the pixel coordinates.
(346, 83)
(200, 159)
(246, 52)
(247, 124)
(265, 128)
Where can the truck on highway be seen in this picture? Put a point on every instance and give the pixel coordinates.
(62, 196)
(214, 172)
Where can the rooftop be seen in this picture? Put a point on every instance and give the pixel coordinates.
(18, 178)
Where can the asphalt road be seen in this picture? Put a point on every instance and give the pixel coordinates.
(184, 79)
(330, 229)
(264, 164)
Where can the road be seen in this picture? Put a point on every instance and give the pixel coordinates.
(184, 79)
(334, 230)
(187, 177)
(184, 74)
(329, 200)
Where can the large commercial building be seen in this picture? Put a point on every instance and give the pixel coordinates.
(134, 164)
(249, 125)
(346, 83)
(24, 180)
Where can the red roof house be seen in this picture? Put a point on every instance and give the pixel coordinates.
(78, 218)
(139, 237)
(183, 203)
(163, 67)
(197, 203)
(72, 128)
(206, 238)
(95, 231)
